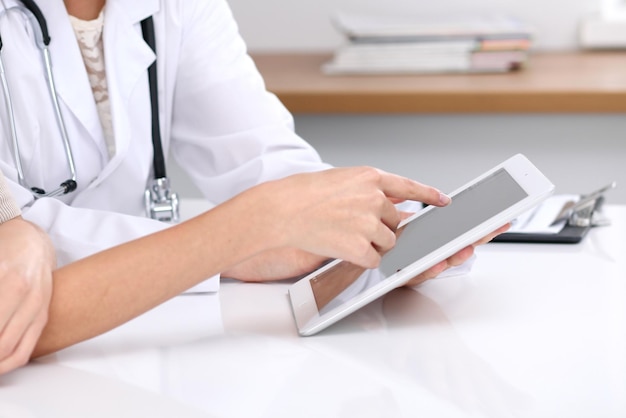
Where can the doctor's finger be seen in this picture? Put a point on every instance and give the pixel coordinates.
(390, 215)
(384, 240)
(366, 256)
(460, 257)
(403, 188)
(454, 260)
(487, 238)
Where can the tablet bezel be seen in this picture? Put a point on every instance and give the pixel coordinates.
(524, 173)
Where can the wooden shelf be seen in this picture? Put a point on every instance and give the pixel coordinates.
(593, 82)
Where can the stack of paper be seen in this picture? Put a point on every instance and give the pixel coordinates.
(403, 44)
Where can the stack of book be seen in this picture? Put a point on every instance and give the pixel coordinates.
(402, 44)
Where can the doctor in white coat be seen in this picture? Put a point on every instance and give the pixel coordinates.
(216, 118)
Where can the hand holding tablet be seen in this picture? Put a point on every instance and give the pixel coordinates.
(350, 211)
(428, 237)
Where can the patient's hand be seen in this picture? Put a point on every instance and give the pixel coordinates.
(26, 262)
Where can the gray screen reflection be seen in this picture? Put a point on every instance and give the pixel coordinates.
(420, 237)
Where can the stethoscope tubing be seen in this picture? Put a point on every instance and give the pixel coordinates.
(57, 110)
(37, 19)
(8, 101)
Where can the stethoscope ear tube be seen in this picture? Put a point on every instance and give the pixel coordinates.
(147, 29)
(36, 11)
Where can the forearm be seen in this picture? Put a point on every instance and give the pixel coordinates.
(101, 292)
(339, 213)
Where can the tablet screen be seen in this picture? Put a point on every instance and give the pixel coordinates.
(420, 237)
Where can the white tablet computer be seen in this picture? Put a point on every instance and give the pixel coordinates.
(433, 234)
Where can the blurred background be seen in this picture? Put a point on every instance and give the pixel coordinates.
(578, 152)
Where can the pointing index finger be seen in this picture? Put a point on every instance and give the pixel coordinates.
(403, 188)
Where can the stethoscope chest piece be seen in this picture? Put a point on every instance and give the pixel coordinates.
(161, 203)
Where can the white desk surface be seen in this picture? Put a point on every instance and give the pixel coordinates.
(532, 331)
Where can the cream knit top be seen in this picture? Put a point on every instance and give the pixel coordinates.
(8, 207)
(89, 36)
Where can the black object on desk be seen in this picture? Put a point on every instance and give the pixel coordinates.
(580, 219)
(568, 235)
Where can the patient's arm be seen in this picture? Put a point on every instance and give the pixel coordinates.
(101, 292)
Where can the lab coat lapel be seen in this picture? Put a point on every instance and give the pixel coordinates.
(123, 40)
(73, 88)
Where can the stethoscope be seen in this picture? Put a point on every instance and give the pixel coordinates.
(42, 40)
(160, 202)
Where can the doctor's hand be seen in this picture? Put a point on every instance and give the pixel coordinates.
(346, 213)
(26, 262)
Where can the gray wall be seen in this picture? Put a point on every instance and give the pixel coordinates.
(577, 152)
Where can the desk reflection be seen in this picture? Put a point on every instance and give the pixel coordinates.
(405, 339)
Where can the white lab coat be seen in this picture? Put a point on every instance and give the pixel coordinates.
(217, 119)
